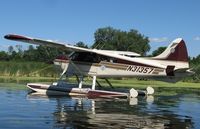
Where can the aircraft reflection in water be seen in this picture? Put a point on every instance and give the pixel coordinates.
(111, 113)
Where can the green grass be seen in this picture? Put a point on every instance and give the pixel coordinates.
(27, 69)
(24, 72)
(140, 83)
(115, 82)
(24, 80)
(129, 83)
(13, 86)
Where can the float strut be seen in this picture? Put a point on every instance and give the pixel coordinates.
(80, 82)
(93, 82)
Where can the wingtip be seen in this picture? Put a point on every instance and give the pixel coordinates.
(16, 37)
(7, 36)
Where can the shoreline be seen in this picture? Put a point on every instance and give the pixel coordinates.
(118, 83)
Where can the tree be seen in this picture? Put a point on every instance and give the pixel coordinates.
(10, 50)
(81, 44)
(19, 51)
(4, 56)
(30, 54)
(114, 39)
(31, 48)
(47, 54)
(158, 51)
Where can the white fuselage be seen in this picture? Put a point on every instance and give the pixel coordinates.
(108, 69)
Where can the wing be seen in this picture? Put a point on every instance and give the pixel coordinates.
(59, 45)
(49, 43)
(113, 54)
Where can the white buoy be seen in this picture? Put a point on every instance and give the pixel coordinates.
(150, 90)
(133, 93)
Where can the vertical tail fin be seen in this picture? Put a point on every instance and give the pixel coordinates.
(176, 51)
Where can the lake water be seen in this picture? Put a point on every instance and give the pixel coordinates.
(168, 108)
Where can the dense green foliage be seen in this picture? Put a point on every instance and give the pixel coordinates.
(81, 44)
(195, 66)
(114, 39)
(158, 51)
(40, 53)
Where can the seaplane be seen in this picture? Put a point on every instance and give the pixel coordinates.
(171, 65)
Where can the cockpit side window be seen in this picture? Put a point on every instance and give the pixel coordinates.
(85, 57)
(91, 57)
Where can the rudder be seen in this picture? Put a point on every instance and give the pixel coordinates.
(176, 51)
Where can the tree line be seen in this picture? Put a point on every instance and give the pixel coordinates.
(38, 53)
(105, 38)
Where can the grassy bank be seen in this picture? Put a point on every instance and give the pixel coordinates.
(161, 88)
(128, 83)
(132, 82)
(27, 69)
(25, 72)
(13, 86)
(24, 80)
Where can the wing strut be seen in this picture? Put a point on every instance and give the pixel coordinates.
(109, 83)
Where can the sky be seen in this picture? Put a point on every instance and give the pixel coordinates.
(71, 21)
